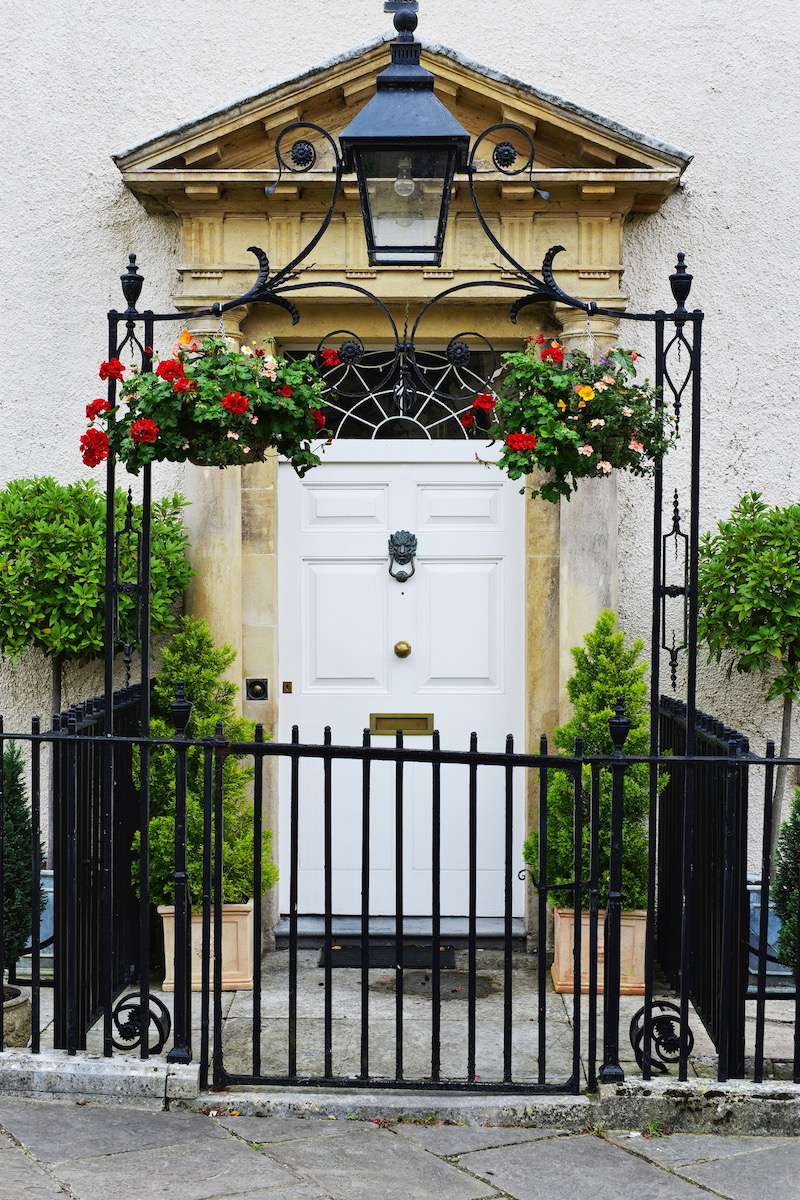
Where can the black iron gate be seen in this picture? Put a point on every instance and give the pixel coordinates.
(439, 1013)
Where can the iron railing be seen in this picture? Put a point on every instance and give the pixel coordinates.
(703, 918)
(289, 1029)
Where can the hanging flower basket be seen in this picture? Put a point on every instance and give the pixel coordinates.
(211, 405)
(560, 412)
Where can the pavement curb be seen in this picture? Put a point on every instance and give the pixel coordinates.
(737, 1107)
(696, 1106)
(703, 1106)
(57, 1075)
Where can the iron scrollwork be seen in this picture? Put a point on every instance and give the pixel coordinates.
(402, 551)
(132, 1022)
(665, 1046)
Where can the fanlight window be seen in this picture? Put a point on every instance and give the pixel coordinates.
(377, 394)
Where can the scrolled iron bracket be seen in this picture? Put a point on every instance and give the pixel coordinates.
(665, 1047)
(402, 551)
(132, 1022)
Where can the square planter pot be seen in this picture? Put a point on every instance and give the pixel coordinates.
(237, 947)
(633, 925)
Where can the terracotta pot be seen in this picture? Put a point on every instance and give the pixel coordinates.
(633, 925)
(237, 947)
(16, 1017)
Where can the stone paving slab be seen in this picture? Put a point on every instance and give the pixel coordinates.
(215, 1168)
(680, 1149)
(23, 1179)
(445, 1140)
(111, 1153)
(57, 1132)
(265, 1130)
(369, 1164)
(769, 1174)
(582, 1167)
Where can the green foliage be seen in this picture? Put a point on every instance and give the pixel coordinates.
(786, 885)
(191, 657)
(749, 588)
(217, 406)
(52, 566)
(17, 862)
(558, 411)
(605, 669)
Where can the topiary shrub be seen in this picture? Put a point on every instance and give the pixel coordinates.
(605, 669)
(192, 658)
(18, 904)
(52, 569)
(786, 886)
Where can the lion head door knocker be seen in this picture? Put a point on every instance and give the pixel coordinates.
(402, 548)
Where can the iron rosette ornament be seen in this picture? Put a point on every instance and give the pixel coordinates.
(211, 405)
(558, 411)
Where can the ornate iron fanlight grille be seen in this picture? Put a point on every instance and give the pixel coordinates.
(396, 394)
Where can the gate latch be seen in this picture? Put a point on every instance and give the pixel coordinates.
(402, 549)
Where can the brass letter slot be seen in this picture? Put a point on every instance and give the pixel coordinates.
(406, 722)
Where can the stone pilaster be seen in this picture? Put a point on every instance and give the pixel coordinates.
(588, 564)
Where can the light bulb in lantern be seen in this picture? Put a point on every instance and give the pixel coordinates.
(404, 185)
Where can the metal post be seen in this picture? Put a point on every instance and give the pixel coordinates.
(181, 1052)
(611, 1072)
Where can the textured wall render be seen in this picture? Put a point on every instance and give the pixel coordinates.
(82, 82)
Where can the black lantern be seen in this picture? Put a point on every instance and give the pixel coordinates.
(404, 147)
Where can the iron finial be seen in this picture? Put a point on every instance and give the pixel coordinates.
(619, 726)
(180, 710)
(131, 282)
(681, 282)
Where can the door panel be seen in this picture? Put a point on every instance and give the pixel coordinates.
(343, 606)
(341, 614)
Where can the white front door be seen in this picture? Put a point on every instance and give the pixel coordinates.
(341, 616)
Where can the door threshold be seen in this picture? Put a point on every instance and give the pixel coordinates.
(489, 931)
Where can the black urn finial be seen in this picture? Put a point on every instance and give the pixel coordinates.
(681, 282)
(619, 726)
(180, 710)
(131, 282)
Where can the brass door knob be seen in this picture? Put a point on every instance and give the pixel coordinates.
(402, 649)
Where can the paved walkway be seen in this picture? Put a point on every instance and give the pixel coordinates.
(92, 1152)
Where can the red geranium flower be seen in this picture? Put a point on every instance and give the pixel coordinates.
(467, 420)
(330, 356)
(285, 391)
(184, 385)
(144, 430)
(111, 370)
(235, 402)
(96, 407)
(553, 353)
(485, 401)
(94, 447)
(170, 369)
(319, 418)
(521, 441)
(540, 340)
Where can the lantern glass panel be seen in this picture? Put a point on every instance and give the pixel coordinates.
(405, 192)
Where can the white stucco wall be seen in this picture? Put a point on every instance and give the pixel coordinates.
(82, 82)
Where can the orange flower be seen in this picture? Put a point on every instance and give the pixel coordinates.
(584, 391)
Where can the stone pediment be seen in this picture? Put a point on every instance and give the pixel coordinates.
(231, 152)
